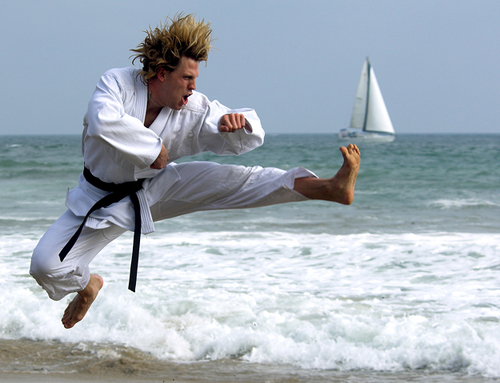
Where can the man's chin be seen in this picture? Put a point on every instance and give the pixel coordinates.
(176, 107)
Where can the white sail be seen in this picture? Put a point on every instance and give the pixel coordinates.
(378, 119)
(369, 112)
(359, 109)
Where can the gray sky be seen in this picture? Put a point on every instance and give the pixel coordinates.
(296, 62)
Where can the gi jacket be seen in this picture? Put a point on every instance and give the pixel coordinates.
(118, 148)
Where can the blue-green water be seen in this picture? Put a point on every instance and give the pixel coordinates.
(405, 280)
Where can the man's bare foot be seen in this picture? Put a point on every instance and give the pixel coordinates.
(79, 306)
(339, 188)
(345, 180)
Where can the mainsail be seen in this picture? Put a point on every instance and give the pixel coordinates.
(369, 112)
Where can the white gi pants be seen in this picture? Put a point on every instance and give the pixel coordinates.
(202, 186)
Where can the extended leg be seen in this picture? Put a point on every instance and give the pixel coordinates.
(204, 186)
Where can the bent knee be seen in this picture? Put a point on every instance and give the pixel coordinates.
(41, 263)
(46, 266)
(57, 278)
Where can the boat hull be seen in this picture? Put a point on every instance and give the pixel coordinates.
(365, 136)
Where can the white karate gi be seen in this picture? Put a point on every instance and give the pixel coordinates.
(118, 148)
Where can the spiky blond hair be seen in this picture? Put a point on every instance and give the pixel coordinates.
(165, 45)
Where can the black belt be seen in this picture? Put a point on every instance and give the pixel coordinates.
(118, 192)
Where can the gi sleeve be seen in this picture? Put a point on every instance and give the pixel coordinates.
(239, 142)
(107, 122)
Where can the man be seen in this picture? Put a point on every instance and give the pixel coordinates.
(136, 124)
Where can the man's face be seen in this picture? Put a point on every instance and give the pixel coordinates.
(178, 85)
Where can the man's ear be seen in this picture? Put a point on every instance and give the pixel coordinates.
(160, 74)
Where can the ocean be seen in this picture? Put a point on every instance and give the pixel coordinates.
(402, 285)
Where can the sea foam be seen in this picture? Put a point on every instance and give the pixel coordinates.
(377, 302)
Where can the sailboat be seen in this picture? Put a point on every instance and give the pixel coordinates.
(369, 112)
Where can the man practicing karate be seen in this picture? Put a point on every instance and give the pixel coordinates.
(137, 123)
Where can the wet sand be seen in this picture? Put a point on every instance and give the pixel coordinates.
(228, 371)
(247, 377)
(28, 361)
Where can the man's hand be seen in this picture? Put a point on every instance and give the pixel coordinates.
(162, 159)
(230, 123)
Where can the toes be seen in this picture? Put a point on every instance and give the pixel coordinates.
(353, 149)
(350, 149)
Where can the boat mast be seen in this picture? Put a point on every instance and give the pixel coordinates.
(368, 71)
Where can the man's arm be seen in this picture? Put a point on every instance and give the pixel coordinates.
(220, 131)
(229, 123)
